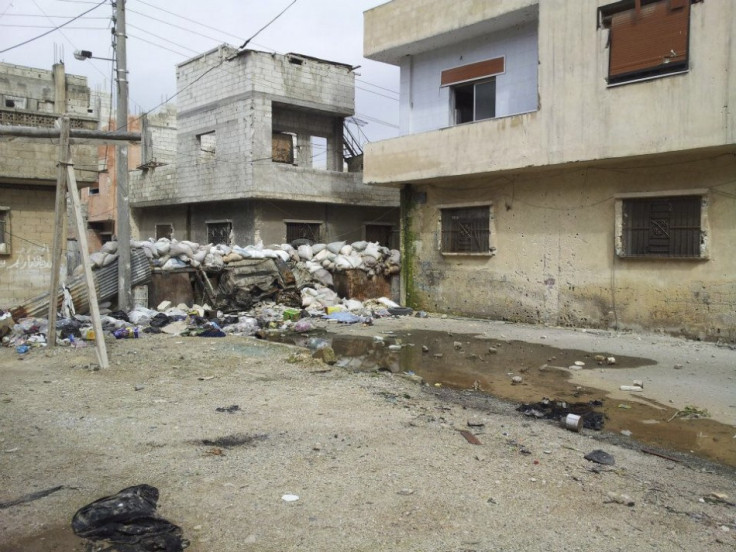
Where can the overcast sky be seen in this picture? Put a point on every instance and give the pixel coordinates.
(164, 33)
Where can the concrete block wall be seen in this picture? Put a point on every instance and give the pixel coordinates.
(26, 271)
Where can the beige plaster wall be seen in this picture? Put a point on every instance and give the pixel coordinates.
(555, 260)
(580, 118)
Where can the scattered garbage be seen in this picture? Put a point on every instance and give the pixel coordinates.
(600, 457)
(129, 521)
(573, 422)
(550, 409)
(691, 412)
(289, 497)
(615, 498)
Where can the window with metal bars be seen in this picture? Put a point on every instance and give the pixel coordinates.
(466, 230)
(303, 232)
(165, 230)
(219, 232)
(380, 233)
(662, 227)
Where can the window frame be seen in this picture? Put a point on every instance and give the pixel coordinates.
(621, 239)
(203, 138)
(606, 15)
(5, 232)
(162, 224)
(474, 84)
(389, 225)
(319, 223)
(228, 222)
(488, 206)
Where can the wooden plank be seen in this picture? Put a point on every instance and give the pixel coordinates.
(59, 233)
(473, 71)
(94, 308)
(469, 437)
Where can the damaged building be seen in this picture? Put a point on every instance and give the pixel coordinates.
(565, 162)
(262, 154)
(32, 97)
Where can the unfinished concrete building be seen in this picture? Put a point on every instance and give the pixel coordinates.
(28, 169)
(262, 155)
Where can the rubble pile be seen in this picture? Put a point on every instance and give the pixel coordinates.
(320, 260)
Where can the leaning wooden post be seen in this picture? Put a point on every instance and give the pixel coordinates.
(94, 308)
(59, 234)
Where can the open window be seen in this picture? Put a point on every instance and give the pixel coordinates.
(662, 226)
(219, 232)
(5, 231)
(383, 234)
(207, 144)
(648, 38)
(466, 230)
(473, 89)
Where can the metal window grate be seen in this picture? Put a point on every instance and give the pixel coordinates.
(381, 233)
(309, 231)
(466, 230)
(164, 231)
(662, 227)
(219, 232)
(2, 228)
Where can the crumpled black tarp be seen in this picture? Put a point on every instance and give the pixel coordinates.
(129, 521)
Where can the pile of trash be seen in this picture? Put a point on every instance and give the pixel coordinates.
(551, 409)
(321, 307)
(166, 254)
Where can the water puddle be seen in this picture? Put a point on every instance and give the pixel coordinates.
(488, 365)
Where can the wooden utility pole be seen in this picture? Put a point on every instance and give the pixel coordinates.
(125, 298)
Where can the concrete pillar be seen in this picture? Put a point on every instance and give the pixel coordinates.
(59, 88)
(334, 147)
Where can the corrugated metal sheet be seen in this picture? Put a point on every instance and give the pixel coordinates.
(106, 284)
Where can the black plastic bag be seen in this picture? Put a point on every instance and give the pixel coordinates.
(129, 521)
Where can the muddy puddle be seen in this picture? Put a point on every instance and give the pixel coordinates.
(488, 365)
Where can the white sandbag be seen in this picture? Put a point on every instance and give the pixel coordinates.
(110, 247)
(199, 256)
(335, 247)
(162, 246)
(283, 255)
(312, 267)
(97, 258)
(359, 245)
(352, 304)
(173, 263)
(305, 252)
(214, 261)
(394, 257)
(388, 303)
(141, 316)
(269, 253)
(232, 258)
(342, 263)
(192, 245)
(371, 250)
(322, 255)
(369, 262)
(346, 250)
(109, 259)
(323, 277)
(180, 248)
(317, 247)
(355, 260)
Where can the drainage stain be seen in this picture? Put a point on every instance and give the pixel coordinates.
(488, 365)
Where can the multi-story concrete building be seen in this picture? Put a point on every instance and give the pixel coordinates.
(28, 170)
(261, 156)
(565, 162)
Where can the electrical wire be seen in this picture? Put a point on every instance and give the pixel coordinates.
(267, 25)
(52, 30)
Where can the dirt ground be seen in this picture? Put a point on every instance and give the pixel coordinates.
(378, 462)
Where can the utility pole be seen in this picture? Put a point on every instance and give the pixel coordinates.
(125, 298)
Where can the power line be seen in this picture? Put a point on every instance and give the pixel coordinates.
(190, 20)
(164, 39)
(267, 24)
(48, 16)
(51, 27)
(54, 29)
(131, 35)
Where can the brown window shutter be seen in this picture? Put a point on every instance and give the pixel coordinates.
(654, 38)
(473, 71)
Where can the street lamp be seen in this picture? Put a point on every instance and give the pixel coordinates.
(82, 55)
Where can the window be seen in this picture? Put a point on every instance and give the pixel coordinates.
(93, 190)
(474, 89)
(319, 152)
(662, 226)
(219, 232)
(466, 230)
(15, 102)
(206, 143)
(475, 102)
(303, 232)
(381, 233)
(4, 230)
(648, 38)
(165, 230)
(282, 147)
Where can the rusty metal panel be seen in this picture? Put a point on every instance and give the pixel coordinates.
(652, 38)
(171, 285)
(282, 148)
(473, 71)
(356, 284)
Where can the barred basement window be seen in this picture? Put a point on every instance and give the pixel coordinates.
(219, 232)
(303, 232)
(466, 230)
(165, 230)
(669, 227)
